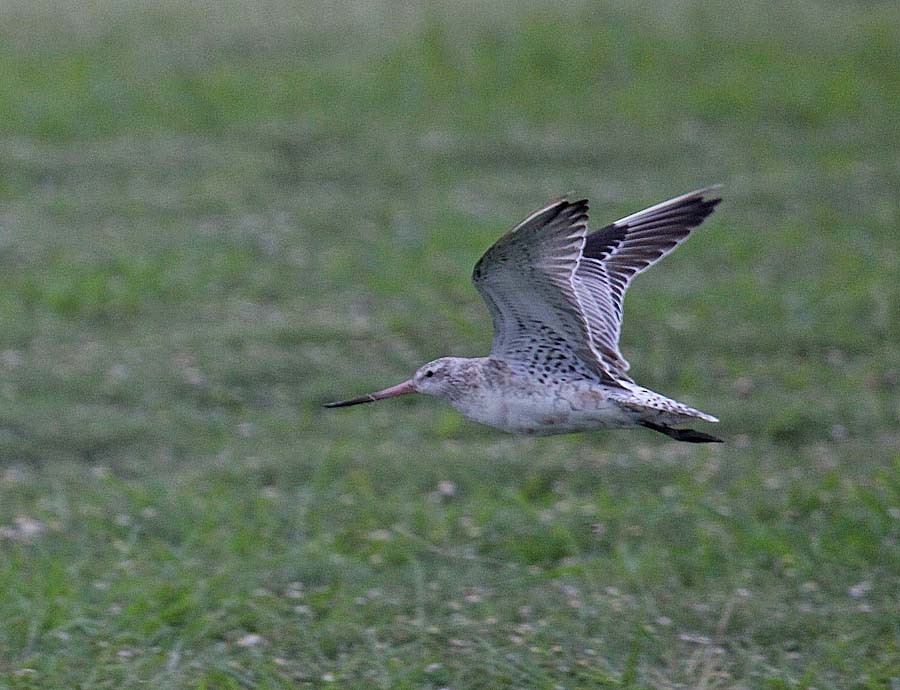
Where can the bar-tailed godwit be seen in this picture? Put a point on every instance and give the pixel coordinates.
(554, 291)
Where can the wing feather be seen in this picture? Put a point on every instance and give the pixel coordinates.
(614, 255)
(526, 279)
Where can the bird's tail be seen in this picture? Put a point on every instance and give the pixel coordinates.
(659, 408)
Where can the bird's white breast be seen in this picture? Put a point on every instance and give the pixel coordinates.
(545, 410)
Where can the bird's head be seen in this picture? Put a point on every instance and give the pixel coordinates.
(436, 378)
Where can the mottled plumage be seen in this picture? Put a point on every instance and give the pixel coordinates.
(555, 294)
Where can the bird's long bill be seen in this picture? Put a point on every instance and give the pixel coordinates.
(400, 389)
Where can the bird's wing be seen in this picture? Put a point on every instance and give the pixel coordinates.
(613, 255)
(526, 279)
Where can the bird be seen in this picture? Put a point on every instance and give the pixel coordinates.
(554, 291)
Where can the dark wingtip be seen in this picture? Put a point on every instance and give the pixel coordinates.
(707, 206)
(698, 206)
(576, 208)
(707, 198)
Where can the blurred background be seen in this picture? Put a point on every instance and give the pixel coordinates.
(214, 218)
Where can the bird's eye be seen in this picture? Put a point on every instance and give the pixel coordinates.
(429, 374)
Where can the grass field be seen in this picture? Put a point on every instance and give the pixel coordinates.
(213, 221)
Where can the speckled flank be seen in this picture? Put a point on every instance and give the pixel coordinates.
(490, 392)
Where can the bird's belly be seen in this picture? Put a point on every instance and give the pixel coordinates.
(544, 417)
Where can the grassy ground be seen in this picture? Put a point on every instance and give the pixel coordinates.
(212, 223)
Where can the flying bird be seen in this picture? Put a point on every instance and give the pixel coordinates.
(554, 291)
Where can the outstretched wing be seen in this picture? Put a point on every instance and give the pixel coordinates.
(613, 255)
(526, 279)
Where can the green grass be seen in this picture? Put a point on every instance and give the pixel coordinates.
(211, 223)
